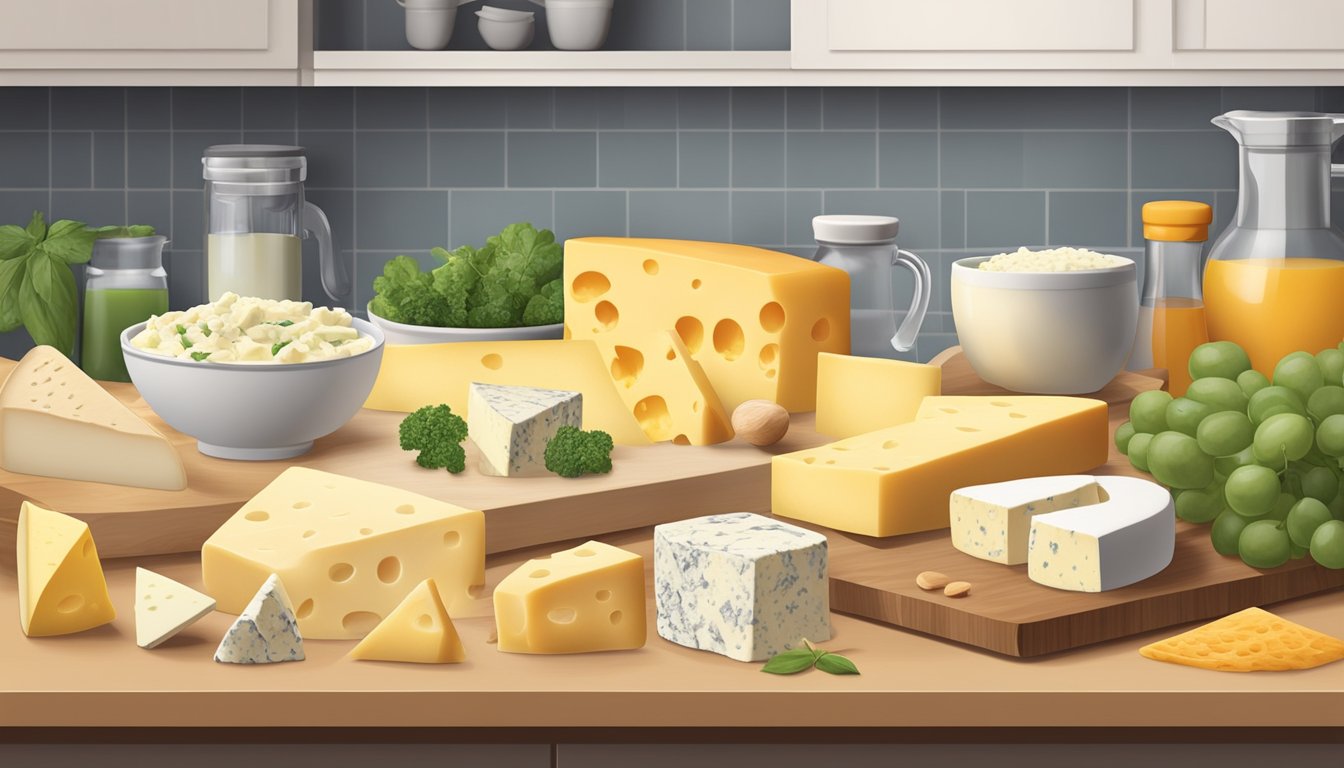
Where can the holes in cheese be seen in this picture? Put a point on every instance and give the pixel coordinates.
(589, 286)
(692, 333)
(669, 393)
(627, 366)
(729, 339)
(607, 315)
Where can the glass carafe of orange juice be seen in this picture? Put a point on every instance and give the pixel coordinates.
(1171, 308)
(1274, 282)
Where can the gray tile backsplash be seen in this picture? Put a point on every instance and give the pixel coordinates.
(402, 170)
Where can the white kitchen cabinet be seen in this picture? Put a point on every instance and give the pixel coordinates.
(133, 42)
(1260, 34)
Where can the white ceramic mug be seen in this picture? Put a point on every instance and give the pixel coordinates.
(577, 25)
(429, 23)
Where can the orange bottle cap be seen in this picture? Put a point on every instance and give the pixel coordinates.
(1177, 221)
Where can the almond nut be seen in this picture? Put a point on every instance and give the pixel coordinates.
(932, 580)
(957, 589)
(760, 422)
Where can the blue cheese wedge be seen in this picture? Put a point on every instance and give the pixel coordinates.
(740, 585)
(265, 632)
(991, 521)
(512, 425)
(1128, 537)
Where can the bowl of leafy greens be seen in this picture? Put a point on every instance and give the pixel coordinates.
(508, 289)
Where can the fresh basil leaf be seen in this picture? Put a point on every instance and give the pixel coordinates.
(11, 283)
(69, 241)
(134, 230)
(186, 343)
(275, 348)
(836, 665)
(199, 356)
(790, 662)
(281, 323)
(37, 226)
(47, 303)
(15, 242)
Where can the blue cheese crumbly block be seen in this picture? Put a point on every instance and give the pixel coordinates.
(740, 585)
(265, 632)
(511, 426)
(991, 521)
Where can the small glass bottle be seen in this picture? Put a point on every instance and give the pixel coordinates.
(124, 284)
(1171, 307)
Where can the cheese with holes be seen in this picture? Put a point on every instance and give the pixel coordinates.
(347, 550)
(862, 394)
(61, 585)
(418, 631)
(754, 319)
(741, 585)
(265, 632)
(55, 421)
(1253, 640)
(898, 480)
(589, 598)
(992, 521)
(669, 393)
(1129, 536)
(512, 425)
(164, 607)
(417, 375)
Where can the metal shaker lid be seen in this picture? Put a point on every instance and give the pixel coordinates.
(855, 230)
(254, 163)
(1278, 129)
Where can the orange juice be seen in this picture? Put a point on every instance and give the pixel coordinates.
(1177, 328)
(1272, 307)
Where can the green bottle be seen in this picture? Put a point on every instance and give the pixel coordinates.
(124, 284)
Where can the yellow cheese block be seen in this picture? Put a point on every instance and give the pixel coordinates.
(590, 598)
(754, 319)
(418, 630)
(899, 480)
(61, 584)
(863, 394)
(347, 550)
(668, 392)
(1252, 640)
(413, 376)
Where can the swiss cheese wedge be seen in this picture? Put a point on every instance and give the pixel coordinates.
(418, 630)
(668, 392)
(1252, 640)
(61, 584)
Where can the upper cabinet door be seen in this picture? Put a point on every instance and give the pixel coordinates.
(980, 25)
(1260, 25)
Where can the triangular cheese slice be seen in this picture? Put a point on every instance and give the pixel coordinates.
(266, 631)
(57, 422)
(61, 584)
(418, 630)
(669, 393)
(164, 607)
(512, 425)
(1252, 640)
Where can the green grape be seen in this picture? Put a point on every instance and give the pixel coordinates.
(1138, 451)
(1330, 436)
(1326, 401)
(1224, 433)
(1304, 518)
(1201, 505)
(1148, 411)
(1175, 460)
(1282, 438)
(1252, 381)
(1321, 484)
(1252, 490)
(1274, 400)
(1297, 553)
(1300, 373)
(1327, 544)
(1282, 506)
(1226, 465)
(1184, 415)
(1336, 506)
(1218, 359)
(1331, 362)
(1122, 435)
(1226, 532)
(1264, 544)
(1219, 394)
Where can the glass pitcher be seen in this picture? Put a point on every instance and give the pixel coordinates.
(256, 217)
(1275, 275)
(865, 247)
(124, 283)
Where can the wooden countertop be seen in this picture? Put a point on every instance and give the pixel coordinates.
(101, 679)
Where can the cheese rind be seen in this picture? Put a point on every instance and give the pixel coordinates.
(992, 521)
(589, 598)
(348, 550)
(898, 480)
(418, 631)
(668, 392)
(164, 607)
(265, 632)
(862, 394)
(55, 421)
(740, 585)
(62, 589)
(754, 319)
(416, 375)
(1128, 537)
(512, 425)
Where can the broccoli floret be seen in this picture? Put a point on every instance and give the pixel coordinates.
(437, 433)
(573, 452)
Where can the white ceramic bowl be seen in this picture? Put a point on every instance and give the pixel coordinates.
(1051, 333)
(401, 333)
(255, 412)
(577, 25)
(505, 34)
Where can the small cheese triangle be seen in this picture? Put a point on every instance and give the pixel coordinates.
(164, 607)
(61, 584)
(418, 630)
(669, 393)
(265, 632)
(1252, 640)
